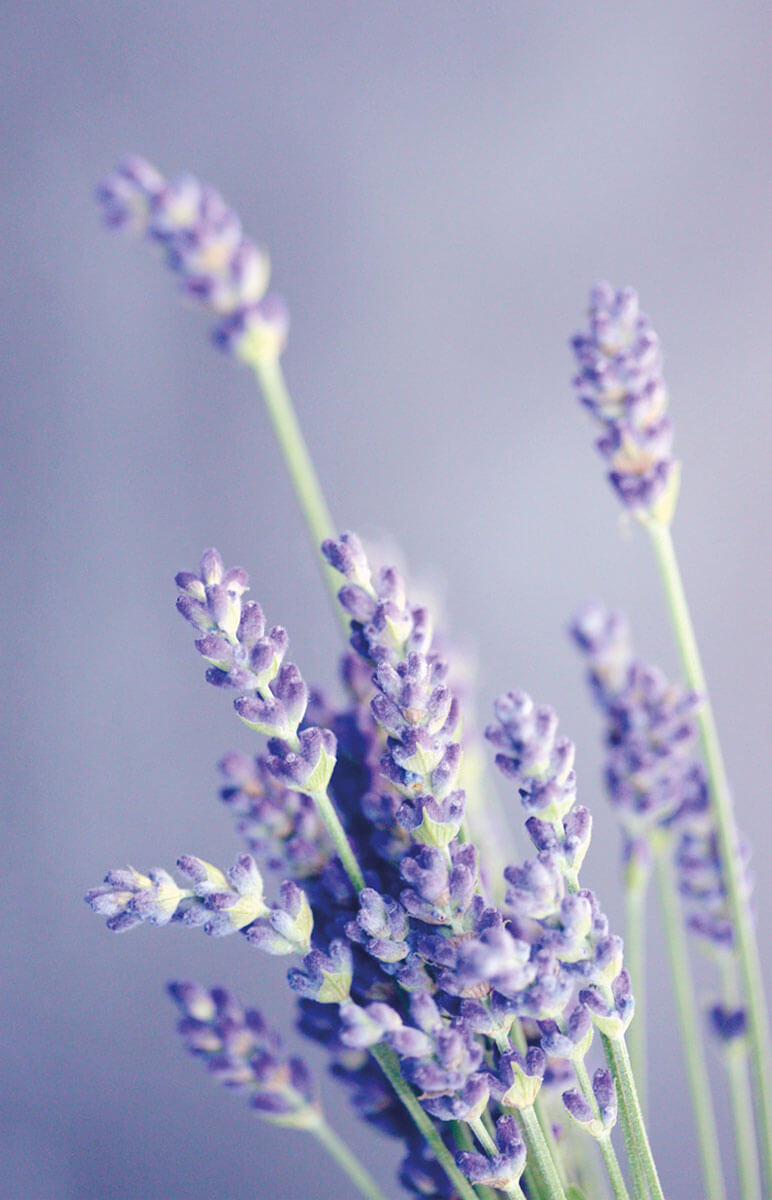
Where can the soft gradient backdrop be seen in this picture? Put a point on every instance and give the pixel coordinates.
(439, 184)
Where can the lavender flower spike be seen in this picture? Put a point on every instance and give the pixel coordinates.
(620, 381)
(242, 1052)
(218, 265)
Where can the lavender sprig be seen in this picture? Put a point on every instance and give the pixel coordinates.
(227, 273)
(637, 387)
(241, 1051)
(244, 655)
(565, 924)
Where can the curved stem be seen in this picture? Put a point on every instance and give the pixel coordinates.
(389, 1064)
(619, 1061)
(300, 468)
(736, 1061)
(540, 1152)
(326, 810)
(690, 1023)
(635, 961)
(606, 1148)
(347, 1161)
(726, 828)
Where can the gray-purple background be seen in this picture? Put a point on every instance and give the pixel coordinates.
(439, 184)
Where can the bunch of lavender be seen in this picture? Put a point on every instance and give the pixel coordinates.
(454, 1022)
(667, 798)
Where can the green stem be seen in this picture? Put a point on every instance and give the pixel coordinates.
(300, 468)
(690, 1022)
(347, 1161)
(464, 1140)
(635, 961)
(736, 1061)
(619, 1061)
(326, 810)
(389, 1064)
(490, 1148)
(540, 1152)
(726, 828)
(606, 1148)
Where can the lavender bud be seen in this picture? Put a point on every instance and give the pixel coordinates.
(518, 1079)
(326, 978)
(365, 1027)
(307, 769)
(502, 1170)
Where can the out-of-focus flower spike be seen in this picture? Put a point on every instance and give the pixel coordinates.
(218, 265)
(620, 381)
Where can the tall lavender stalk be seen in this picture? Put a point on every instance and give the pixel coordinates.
(226, 272)
(620, 381)
(654, 784)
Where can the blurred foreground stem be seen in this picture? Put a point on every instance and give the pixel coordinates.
(726, 828)
(300, 468)
(347, 1161)
(690, 1024)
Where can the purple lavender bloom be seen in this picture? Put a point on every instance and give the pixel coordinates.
(518, 1079)
(218, 265)
(620, 381)
(573, 1041)
(443, 1060)
(432, 822)
(325, 978)
(127, 898)
(651, 771)
(578, 1108)
(439, 892)
(488, 959)
(309, 767)
(611, 1008)
(532, 754)
(361, 1027)
(701, 878)
(502, 1170)
(381, 926)
(127, 195)
(281, 826)
(729, 1025)
(241, 1051)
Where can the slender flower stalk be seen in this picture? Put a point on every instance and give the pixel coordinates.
(726, 827)
(734, 1044)
(603, 1134)
(619, 1063)
(620, 381)
(636, 891)
(689, 1024)
(656, 787)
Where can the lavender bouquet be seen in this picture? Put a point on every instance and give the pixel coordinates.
(477, 1007)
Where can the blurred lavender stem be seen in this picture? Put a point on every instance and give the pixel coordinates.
(690, 1023)
(736, 1063)
(299, 463)
(635, 957)
(642, 1160)
(747, 947)
(606, 1146)
(539, 1152)
(348, 1163)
